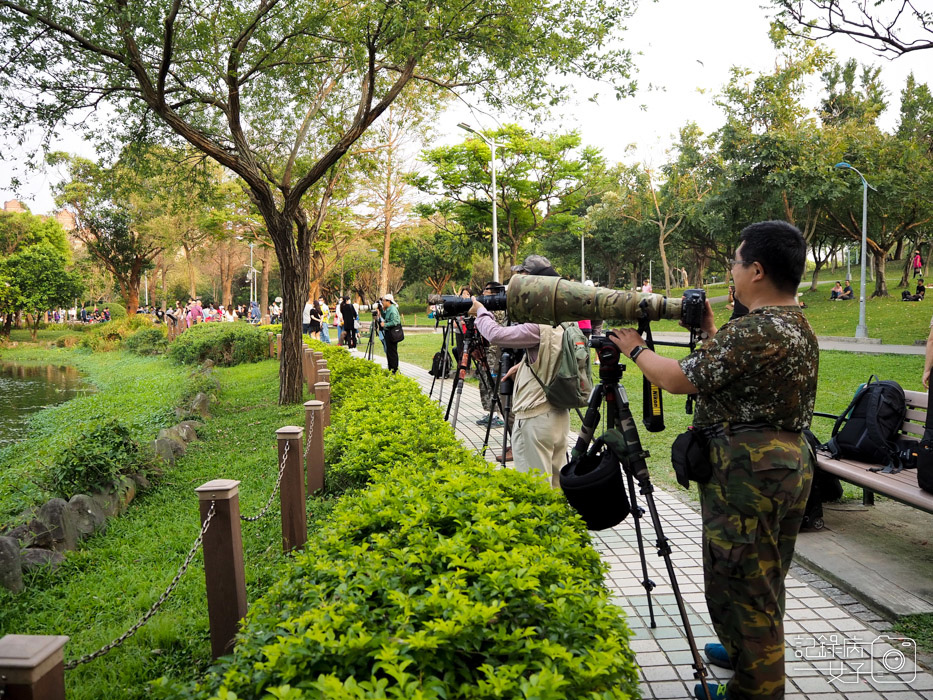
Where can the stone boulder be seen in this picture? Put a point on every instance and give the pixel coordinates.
(173, 434)
(29, 534)
(167, 450)
(89, 517)
(200, 405)
(186, 431)
(60, 522)
(37, 558)
(11, 565)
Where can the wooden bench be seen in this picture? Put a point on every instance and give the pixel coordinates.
(902, 486)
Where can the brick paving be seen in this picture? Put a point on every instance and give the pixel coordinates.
(835, 649)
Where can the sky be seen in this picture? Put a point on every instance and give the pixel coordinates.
(686, 50)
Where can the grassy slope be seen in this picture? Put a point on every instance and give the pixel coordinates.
(139, 391)
(106, 587)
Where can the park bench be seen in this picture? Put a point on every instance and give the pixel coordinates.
(903, 486)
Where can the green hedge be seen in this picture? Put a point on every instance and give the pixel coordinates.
(223, 343)
(445, 578)
(148, 341)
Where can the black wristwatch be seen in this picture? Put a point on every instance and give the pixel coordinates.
(637, 351)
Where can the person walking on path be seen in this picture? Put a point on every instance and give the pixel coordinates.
(755, 380)
(917, 264)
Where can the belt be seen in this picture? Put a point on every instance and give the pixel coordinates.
(720, 430)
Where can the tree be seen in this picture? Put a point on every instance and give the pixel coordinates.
(35, 280)
(20, 230)
(279, 92)
(538, 180)
(434, 256)
(890, 28)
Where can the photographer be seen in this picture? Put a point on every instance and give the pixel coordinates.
(539, 440)
(755, 381)
(493, 358)
(391, 318)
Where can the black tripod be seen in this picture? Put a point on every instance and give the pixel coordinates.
(444, 366)
(474, 348)
(632, 457)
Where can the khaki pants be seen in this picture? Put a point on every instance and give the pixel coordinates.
(540, 443)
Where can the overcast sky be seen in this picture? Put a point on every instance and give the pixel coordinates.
(687, 48)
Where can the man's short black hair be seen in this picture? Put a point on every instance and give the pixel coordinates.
(780, 249)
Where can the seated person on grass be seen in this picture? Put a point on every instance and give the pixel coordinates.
(921, 292)
(846, 292)
(836, 291)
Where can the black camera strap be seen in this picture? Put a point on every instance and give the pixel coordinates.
(652, 402)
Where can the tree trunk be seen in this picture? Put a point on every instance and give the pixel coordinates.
(192, 281)
(881, 284)
(665, 264)
(816, 276)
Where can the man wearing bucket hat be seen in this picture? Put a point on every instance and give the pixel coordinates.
(391, 318)
(539, 437)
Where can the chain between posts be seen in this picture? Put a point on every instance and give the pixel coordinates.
(152, 611)
(308, 441)
(278, 482)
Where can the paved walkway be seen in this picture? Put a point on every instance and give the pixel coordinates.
(833, 652)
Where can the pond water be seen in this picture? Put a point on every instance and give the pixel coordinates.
(25, 389)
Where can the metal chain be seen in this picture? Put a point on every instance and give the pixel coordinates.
(308, 441)
(278, 481)
(152, 611)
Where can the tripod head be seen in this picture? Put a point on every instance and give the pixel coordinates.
(610, 370)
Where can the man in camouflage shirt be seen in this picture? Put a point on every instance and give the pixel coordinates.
(755, 381)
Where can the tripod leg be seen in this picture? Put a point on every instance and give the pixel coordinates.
(633, 462)
(457, 390)
(443, 354)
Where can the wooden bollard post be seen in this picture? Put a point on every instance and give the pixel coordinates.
(312, 370)
(278, 345)
(271, 344)
(32, 667)
(319, 366)
(292, 490)
(322, 393)
(223, 562)
(323, 377)
(314, 460)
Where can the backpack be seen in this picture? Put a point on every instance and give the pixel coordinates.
(825, 487)
(867, 430)
(440, 365)
(572, 383)
(925, 451)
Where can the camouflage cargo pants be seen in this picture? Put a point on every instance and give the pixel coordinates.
(493, 356)
(752, 510)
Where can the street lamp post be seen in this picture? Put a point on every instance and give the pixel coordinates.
(495, 235)
(582, 260)
(861, 330)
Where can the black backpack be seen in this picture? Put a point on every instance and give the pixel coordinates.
(440, 365)
(867, 430)
(925, 449)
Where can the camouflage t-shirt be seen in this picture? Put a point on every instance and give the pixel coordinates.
(761, 367)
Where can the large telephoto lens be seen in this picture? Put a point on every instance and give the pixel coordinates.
(552, 300)
(451, 306)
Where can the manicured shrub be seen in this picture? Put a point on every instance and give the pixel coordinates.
(147, 341)
(104, 337)
(223, 343)
(96, 458)
(445, 578)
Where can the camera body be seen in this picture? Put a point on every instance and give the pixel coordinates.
(693, 307)
(606, 350)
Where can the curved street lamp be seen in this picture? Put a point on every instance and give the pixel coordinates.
(495, 236)
(861, 330)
